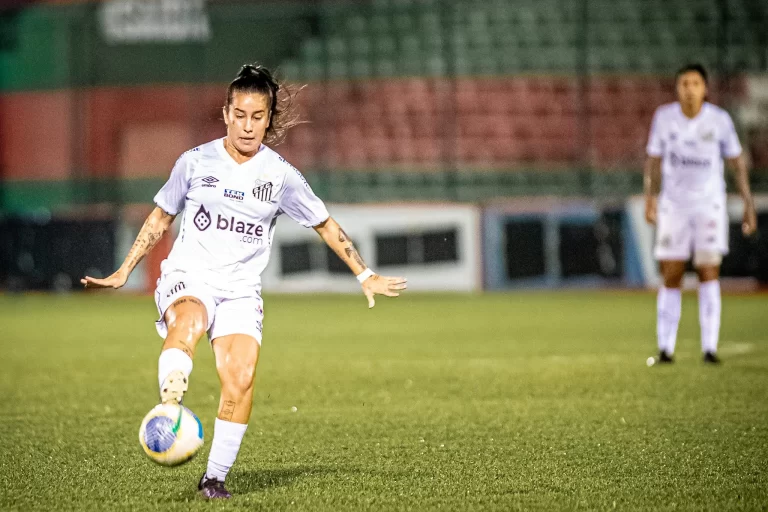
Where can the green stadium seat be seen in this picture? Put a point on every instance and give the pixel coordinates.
(360, 46)
(312, 49)
(357, 25)
(410, 47)
(337, 48)
(338, 69)
(360, 68)
(291, 70)
(385, 67)
(379, 24)
(385, 47)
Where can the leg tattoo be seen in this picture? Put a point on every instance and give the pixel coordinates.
(228, 410)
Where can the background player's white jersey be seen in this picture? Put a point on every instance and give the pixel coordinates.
(230, 211)
(692, 152)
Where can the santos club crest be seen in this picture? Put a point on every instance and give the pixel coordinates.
(262, 190)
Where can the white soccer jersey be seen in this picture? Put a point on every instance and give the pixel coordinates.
(230, 212)
(692, 152)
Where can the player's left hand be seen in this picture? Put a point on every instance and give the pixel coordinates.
(116, 280)
(749, 225)
(381, 285)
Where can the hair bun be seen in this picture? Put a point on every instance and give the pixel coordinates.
(249, 70)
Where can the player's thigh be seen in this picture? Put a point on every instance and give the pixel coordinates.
(236, 338)
(238, 316)
(674, 234)
(187, 317)
(710, 242)
(236, 358)
(186, 307)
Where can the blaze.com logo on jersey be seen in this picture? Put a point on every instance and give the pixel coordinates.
(252, 233)
(688, 161)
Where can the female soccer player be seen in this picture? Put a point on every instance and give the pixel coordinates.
(231, 191)
(688, 142)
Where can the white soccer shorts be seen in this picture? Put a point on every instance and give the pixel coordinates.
(228, 313)
(683, 231)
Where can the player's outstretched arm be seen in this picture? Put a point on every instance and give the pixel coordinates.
(651, 186)
(372, 283)
(151, 232)
(739, 167)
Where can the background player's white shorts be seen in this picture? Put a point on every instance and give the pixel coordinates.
(228, 313)
(681, 231)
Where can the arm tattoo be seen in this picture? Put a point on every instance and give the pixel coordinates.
(652, 176)
(147, 238)
(350, 251)
(227, 410)
(352, 254)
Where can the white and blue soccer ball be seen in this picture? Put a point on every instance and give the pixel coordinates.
(171, 434)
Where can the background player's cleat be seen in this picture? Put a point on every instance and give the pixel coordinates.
(665, 358)
(173, 388)
(212, 489)
(711, 357)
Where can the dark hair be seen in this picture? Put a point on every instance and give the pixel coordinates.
(282, 111)
(695, 66)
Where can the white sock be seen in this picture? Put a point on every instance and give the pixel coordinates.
(668, 304)
(709, 314)
(171, 360)
(227, 437)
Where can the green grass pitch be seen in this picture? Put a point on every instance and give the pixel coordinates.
(524, 401)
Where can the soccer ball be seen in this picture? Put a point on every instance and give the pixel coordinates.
(171, 434)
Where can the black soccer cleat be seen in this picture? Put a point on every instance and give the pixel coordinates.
(665, 358)
(212, 489)
(711, 358)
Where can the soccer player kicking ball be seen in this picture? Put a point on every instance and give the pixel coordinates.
(231, 191)
(688, 142)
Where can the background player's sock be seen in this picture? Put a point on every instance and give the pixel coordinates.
(709, 315)
(171, 360)
(227, 437)
(668, 303)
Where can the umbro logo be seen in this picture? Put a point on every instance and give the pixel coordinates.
(210, 181)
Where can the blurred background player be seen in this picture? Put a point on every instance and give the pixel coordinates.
(686, 200)
(231, 191)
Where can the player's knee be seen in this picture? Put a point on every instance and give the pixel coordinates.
(707, 259)
(189, 326)
(673, 279)
(237, 378)
(672, 273)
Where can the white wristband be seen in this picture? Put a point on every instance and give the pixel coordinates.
(365, 274)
